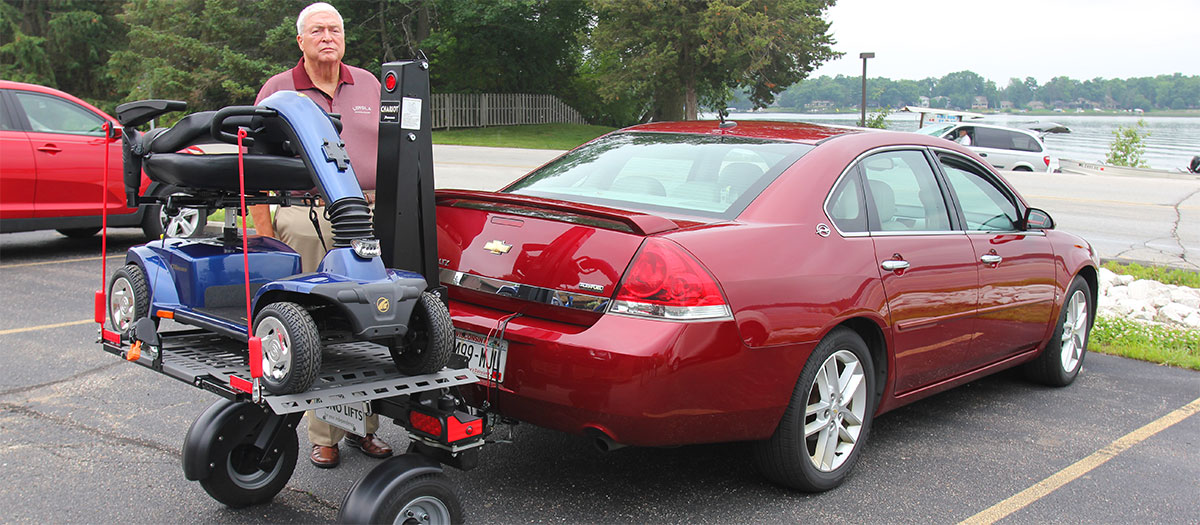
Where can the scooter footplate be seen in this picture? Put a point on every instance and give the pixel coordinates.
(350, 372)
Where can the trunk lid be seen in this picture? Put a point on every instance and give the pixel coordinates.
(541, 257)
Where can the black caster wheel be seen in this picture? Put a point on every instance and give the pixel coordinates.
(222, 451)
(409, 489)
(429, 342)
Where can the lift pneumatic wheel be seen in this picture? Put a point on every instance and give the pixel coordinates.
(408, 489)
(241, 453)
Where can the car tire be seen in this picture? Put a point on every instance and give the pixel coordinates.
(291, 347)
(429, 342)
(800, 455)
(79, 233)
(189, 222)
(128, 298)
(1023, 168)
(1061, 360)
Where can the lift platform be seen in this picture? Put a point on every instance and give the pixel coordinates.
(350, 372)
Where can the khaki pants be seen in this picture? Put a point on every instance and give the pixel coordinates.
(294, 227)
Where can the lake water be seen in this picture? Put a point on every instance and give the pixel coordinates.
(1171, 144)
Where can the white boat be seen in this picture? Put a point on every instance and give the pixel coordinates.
(1098, 168)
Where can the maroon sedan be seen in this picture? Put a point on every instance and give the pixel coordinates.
(780, 283)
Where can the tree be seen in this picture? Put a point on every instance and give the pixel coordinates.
(677, 54)
(1128, 145)
(209, 53)
(62, 44)
(506, 46)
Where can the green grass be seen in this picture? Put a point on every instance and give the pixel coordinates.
(1157, 273)
(1155, 343)
(530, 136)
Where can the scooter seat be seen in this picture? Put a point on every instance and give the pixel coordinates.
(264, 172)
(220, 172)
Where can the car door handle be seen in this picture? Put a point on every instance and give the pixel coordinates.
(50, 148)
(892, 265)
(991, 258)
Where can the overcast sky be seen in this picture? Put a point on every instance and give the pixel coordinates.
(1001, 39)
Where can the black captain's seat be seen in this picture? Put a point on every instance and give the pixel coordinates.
(270, 162)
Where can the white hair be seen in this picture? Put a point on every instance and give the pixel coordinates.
(314, 8)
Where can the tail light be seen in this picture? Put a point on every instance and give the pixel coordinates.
(1046, 159)
(666, 282)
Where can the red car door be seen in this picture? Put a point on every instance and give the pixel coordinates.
(69, 144)
(1016, 268)
(929, 271)
(18, 173)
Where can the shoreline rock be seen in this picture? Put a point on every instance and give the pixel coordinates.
(1148, 301)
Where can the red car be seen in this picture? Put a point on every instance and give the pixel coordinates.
(52, 174)
(780, 283)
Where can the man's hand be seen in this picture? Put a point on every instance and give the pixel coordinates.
(261, 213)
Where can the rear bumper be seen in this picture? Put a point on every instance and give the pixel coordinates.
(641, 382)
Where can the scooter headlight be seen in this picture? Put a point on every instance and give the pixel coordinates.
(365, 248)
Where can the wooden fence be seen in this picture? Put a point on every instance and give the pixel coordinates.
(473, 110)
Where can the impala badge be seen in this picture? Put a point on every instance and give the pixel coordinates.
(497, 247)
(591, 287)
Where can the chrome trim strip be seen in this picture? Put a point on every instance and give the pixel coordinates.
(537, 294)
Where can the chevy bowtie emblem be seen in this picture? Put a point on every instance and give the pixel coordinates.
(497, 247)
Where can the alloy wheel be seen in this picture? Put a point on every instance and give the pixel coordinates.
(1074, 331)
(837, 405)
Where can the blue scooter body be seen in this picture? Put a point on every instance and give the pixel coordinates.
(202, 282)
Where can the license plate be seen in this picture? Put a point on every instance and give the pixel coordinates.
(484, 361)
(351, 417)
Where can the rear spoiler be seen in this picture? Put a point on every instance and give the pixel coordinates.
(639, 223)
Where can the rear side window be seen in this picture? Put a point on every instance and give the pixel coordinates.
(845, 206)
(49, 114)
(690, 174)
(1004, 139)
(904, 193)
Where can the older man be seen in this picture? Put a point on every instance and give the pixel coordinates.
(353, 93)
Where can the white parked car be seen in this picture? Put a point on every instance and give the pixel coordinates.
(1004, 148)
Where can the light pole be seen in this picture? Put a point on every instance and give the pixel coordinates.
(862, 120)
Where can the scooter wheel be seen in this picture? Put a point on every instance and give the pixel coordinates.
(291, 347)
(429, 342)
(128, 297)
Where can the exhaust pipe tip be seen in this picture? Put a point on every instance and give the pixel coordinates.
(602, 441)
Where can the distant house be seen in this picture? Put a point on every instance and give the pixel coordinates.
(1037, 104)
(819, 105)
(1006, 104)
(923, 101)
(980, 102)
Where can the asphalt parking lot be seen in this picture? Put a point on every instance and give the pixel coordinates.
(89, 438)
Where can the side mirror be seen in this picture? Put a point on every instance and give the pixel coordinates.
(1036, 219)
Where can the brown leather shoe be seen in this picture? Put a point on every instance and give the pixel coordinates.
(324, 457)
(370, 445)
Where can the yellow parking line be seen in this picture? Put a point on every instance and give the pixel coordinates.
(1079, 468)
(20, 265)
(44, 327)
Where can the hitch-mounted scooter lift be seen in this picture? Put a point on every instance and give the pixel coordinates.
(353, 338)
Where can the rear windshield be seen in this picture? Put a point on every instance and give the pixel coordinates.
(665, 173)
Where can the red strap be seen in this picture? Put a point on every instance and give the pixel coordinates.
(100, 302)
(255, 343)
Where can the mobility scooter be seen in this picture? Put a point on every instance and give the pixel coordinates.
(289, 149)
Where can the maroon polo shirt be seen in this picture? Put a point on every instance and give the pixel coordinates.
(356, 99)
